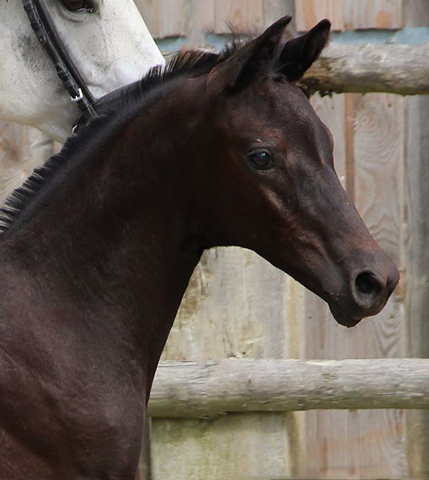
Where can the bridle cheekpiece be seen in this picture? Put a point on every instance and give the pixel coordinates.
(44, 28)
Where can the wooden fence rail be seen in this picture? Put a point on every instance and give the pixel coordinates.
(400, 69)
(187, 390)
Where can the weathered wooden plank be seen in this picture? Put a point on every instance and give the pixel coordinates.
(343, 448)
(145, 456)
(349, 119)
(331, 111)
(379, 157)
(416, 13)
(334, 438)
(204, 15)
(200, 21)
(321, 428)
(399, 69)
(188, 390)
(243, 14)
(350, 14)
(416, 275)
(309, 12)
(146, 9)
(164, 18)
(275, 9)
(373, 14)
(232, 447)
(379, 152)
(236, 306)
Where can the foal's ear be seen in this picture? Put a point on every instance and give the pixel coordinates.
(299, 54)
(255, 58)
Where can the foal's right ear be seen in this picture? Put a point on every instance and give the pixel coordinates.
(254, 59)
(300, 53)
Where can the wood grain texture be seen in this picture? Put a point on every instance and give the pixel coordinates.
(366, 457)
(416, 13)
(275, 9)
(204, 15)
(309, 12)
(199, 21)
(373, 14)
(164, 18)
(188, 390)
(331, 111)
(239, 306)
(235, 306)
(145, 466)
(365, 444)
(234, 447)
(147, 11)
(350, 14)
(243, 14)
(379, 152)
(349, 118)
(400, 69)
(416, 260)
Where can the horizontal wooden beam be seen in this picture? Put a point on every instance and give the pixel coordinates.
(187, 390)
(400, 69)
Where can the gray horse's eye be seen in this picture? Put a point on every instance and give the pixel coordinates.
(78, 5)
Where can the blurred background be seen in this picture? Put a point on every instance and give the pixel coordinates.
(239, 306)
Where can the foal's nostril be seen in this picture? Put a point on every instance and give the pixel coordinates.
(369, 284)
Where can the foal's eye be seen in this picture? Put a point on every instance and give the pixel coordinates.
(78, 5)
(261, 159)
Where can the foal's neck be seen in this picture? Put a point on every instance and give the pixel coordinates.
(115, 238)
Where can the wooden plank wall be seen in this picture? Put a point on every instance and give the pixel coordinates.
(175, 18)
(363, 444)
(350, 14)
(239, 306)
(188, 18)
(235, 307)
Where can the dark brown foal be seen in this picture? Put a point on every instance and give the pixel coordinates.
(98, 247)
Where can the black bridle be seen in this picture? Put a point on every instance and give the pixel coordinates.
(43, 26)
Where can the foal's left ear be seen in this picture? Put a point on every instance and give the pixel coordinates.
(299, 54)
(256, 58)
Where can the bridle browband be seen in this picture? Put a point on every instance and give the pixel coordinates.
(42, 24)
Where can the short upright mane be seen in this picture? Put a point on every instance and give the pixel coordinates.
(112, 111)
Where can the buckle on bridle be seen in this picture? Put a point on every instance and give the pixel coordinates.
(79, 96)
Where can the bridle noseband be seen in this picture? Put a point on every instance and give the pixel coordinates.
(45, 30)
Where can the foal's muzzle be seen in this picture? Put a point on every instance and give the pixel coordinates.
(368, 293)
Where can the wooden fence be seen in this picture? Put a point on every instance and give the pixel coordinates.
(188, 390)
(226, 407)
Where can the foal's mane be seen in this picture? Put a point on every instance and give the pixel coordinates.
(114, 110)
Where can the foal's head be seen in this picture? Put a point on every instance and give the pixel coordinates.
(272, 172)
